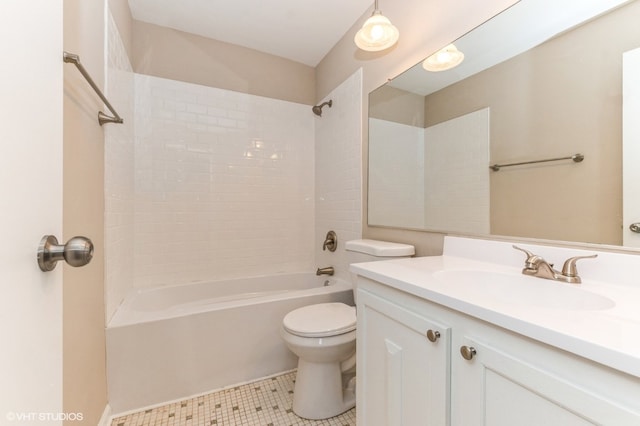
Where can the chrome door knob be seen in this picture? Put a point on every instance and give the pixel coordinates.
(468, 352)
(78, 251)
(635, 227)
(433, 335)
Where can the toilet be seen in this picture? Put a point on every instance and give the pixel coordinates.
(323, 336)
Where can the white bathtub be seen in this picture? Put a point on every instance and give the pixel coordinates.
(173, 342)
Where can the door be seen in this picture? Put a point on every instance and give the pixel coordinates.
(403, 366)
(492, 387)
(31, 206)
(631, 148)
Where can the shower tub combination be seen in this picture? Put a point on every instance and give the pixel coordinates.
(174, 342)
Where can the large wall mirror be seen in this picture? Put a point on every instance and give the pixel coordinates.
(543, 80)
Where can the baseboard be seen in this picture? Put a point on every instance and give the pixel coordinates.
(105, 420)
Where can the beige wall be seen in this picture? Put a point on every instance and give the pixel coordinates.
(122, 16)
(556, 100)
(425, 27)
(176, 55)
(396, 105)
(84, 378)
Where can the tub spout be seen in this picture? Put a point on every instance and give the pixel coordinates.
(325, 271)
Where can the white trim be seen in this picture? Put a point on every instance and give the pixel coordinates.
(105, 419)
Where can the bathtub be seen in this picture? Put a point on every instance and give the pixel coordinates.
(173, 342)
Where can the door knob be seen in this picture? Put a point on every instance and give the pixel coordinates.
(635, 227)
(78, 251)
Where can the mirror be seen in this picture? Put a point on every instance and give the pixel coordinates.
(540, 81)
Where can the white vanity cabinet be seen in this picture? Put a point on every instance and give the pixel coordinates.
(403, 365)
(509, 379)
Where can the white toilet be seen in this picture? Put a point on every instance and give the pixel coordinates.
(323, 336)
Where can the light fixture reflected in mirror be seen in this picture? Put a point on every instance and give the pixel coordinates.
(377, 33)
(444, 59)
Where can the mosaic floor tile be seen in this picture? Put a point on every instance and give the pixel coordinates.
(262, 403)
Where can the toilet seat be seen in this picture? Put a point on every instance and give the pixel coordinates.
(321, 320)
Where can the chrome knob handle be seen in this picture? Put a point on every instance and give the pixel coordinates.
(635, 227)
(433, 335)
(468, 352)
(78, 251)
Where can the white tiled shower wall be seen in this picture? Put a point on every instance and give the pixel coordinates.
(457, 189)
(338, 171)
(119, 173)
(224, 184)
(203, 183)
(447, 186)
(396, 174)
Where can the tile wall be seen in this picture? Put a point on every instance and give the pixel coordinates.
(119, 173)
(433, 178)
(396, 174)
(224, 184)
(457, 178)
(204, 184)
(338, 172)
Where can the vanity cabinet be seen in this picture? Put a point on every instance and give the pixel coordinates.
(475, 373)
(403, 365)
(497, 386)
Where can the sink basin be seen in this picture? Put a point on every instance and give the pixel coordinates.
(515, 289)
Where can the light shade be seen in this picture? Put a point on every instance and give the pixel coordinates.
(377, 33)
(443, 59)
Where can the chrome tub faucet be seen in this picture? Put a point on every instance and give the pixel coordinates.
(536, 266)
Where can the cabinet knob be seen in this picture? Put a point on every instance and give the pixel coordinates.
(433, 335)
(468, 352)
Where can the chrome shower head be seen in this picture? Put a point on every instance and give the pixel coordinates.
(317, 110)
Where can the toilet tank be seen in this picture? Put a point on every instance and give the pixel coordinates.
(372, 250)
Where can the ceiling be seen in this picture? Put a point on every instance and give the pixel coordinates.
(301, 30)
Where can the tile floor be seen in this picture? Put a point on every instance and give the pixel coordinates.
(262, 403)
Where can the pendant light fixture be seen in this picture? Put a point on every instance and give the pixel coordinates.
(377, 33)
(444, 59)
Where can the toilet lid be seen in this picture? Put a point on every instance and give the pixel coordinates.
(321, 320)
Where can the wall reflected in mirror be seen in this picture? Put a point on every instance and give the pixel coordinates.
(541, 80)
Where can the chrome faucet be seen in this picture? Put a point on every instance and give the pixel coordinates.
(536, 266)
(325, 271)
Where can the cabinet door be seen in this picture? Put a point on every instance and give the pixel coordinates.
(402, 376)
(495, 388)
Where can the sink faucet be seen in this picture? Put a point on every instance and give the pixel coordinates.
(325, 271)
(536, 266)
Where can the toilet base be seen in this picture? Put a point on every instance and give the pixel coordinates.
(320, 391)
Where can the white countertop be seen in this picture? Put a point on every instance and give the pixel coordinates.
(609, 336)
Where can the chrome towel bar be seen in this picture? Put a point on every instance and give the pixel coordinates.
(70, 58)
(576, 158)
